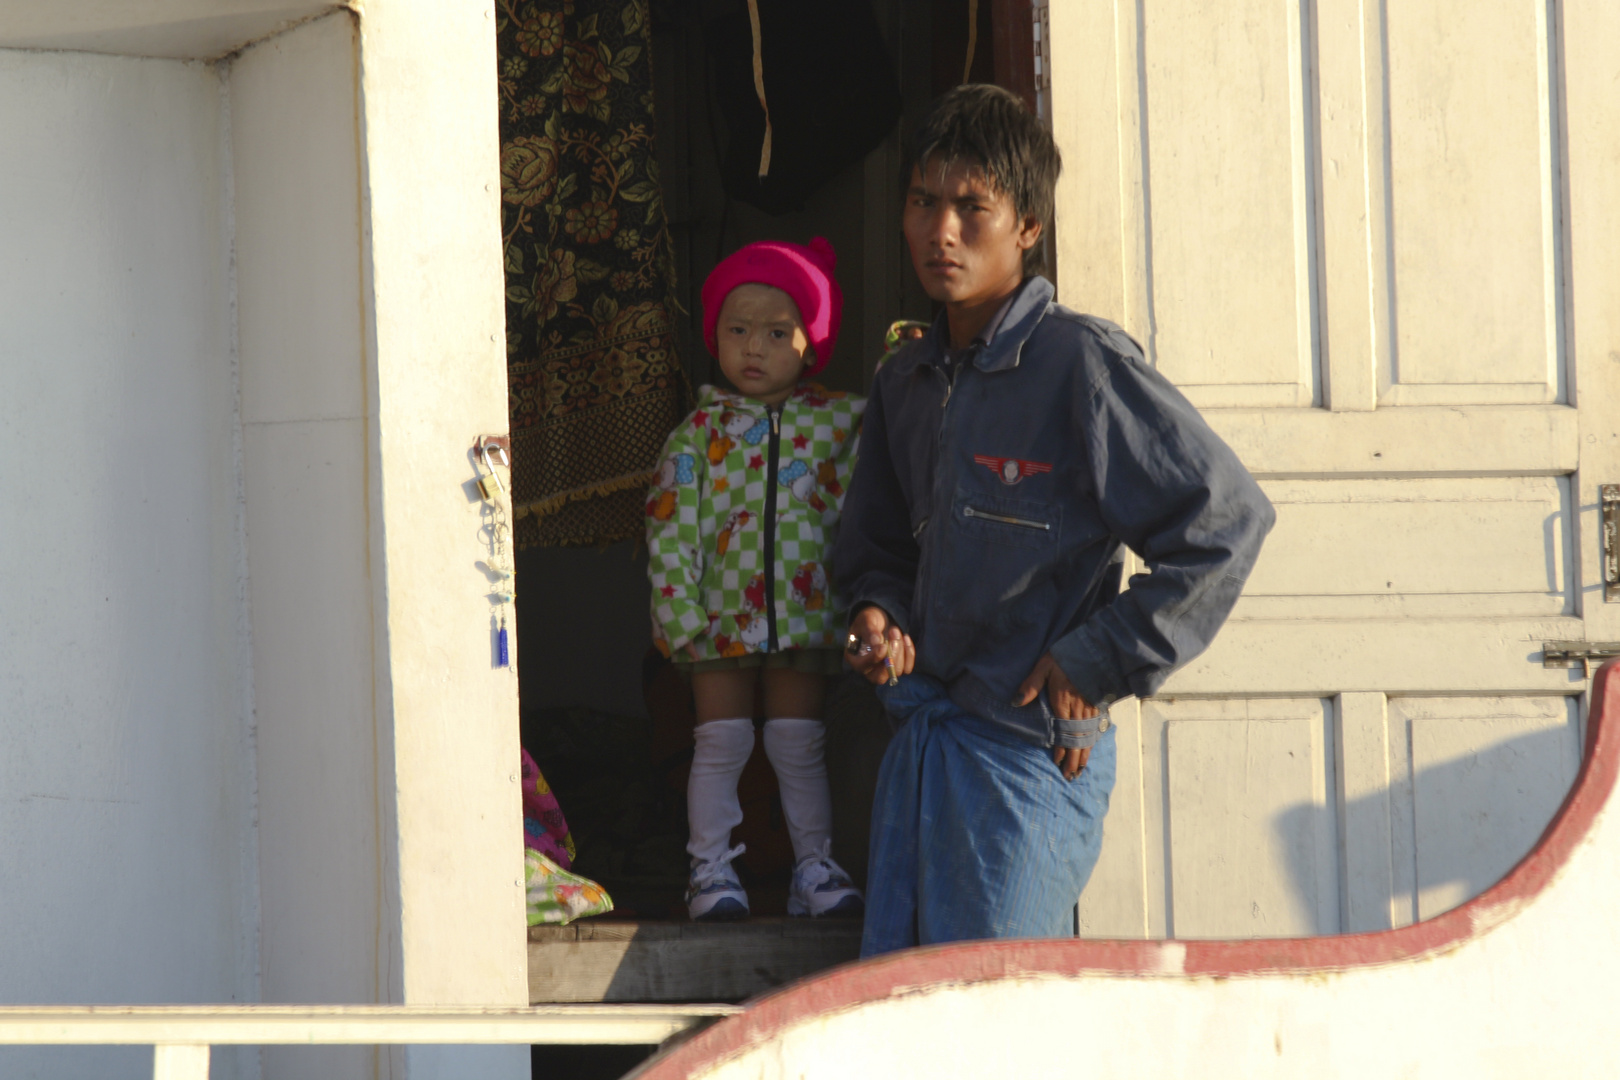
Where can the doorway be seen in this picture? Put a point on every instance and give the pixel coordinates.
(606, 717)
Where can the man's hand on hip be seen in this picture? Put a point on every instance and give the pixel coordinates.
(884, 641)
(1066, 702)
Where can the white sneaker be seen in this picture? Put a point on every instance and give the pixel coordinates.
(821, 889)
(713, 893)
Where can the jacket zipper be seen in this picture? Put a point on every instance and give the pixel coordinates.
(1025, 523)
(770, 526)
(925, 576)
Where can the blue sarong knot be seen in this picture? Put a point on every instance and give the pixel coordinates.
(913, 694)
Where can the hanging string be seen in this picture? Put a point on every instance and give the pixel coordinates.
(973, 40)
(759, 88)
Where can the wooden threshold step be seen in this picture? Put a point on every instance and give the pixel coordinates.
(625, 960)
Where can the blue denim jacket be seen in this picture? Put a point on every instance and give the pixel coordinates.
(986, 515)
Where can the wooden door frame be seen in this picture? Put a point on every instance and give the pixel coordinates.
(1013, 47)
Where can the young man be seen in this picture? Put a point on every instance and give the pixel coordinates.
(1006, 458)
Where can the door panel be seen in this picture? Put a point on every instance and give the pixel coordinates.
(1211, 68)
(1428, 656)
(1251, 836)
(1345, 549)
(1474, 249)
(1379, 252)
(1282, 817)
(1486, 776)
(1115, 903)
(1223, 822)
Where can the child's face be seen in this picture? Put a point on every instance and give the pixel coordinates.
(762, 344)
(966, 238)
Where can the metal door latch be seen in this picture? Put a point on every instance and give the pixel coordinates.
(1567, 654)
(1609, 508)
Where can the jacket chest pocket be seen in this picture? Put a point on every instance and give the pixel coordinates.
(998, 551)
(992, 521)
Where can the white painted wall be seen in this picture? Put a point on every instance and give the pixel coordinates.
(179, 29)
(1282, 203)
(126, 783)
(252, 743)
(304, 418)
(1532, 997)
(435, 328)
(370, 321)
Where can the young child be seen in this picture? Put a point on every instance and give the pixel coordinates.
(739, 524)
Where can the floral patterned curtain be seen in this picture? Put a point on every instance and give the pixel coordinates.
(594, 380)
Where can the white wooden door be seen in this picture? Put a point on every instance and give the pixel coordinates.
(1379, 246)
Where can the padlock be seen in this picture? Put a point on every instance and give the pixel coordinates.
(490, 487)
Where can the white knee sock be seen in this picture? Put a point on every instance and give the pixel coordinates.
(795, 749)
(712, 808)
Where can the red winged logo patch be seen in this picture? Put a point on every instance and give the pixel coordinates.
(1012, 470)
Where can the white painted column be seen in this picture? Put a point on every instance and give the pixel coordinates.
(435, 341)
(371, 307)
(179, 1062)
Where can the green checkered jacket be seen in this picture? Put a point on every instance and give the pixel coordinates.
(707, 523)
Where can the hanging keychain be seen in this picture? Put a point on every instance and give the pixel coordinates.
(500, 564)
(504, 597)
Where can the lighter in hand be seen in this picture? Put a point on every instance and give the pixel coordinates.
(856, 647)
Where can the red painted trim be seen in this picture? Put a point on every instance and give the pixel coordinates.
(863, 982)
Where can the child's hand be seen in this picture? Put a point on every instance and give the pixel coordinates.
(878, 640)
(1066, 702)
(692, 651)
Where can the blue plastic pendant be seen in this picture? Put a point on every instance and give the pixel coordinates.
(503, 657)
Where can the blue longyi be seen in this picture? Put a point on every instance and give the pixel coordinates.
(975, 832)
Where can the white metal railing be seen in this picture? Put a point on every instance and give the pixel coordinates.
(181, 1035)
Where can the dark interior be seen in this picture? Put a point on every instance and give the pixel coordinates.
(604, 715)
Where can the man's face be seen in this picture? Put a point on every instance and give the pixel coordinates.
(967, 240)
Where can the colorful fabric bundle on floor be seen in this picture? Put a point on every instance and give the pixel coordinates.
(554, 894)
(595, 383)
(557, 896)
(544, 827)
(624, 783)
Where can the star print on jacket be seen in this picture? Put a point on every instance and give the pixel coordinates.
(713, 587)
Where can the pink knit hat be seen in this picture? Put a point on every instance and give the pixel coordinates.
(804, 273)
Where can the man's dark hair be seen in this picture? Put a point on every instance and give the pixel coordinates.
(992, 128)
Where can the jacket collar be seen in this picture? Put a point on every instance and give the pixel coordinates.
(1006, 346)
(711, 397)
